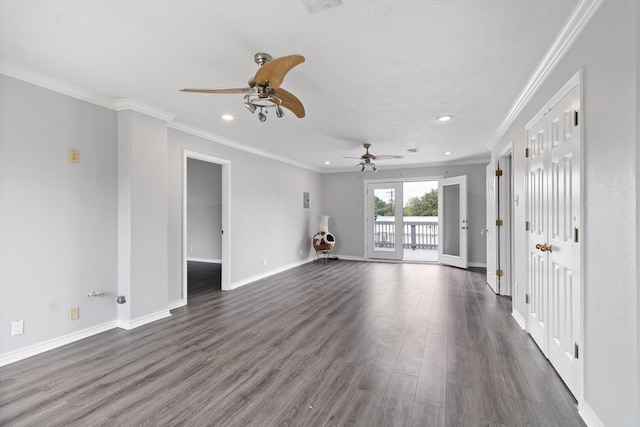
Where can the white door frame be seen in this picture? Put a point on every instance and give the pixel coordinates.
(578, 253)
(395, 253)
(366, 183)
(461, 260)
(226, 195)
(505, 213)
(490, 231)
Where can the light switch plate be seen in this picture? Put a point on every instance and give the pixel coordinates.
(74, 156)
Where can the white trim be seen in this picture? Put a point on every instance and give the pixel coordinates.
(183, 127)
(141, 321)
(51, 344)
(350, 257)
(574, 81)
(255, 278)
(141, 107)
(226, 215)
(21, 73)
(519, 320)
(207, 260)
(588, 415)
(176, 304)
(478, 264)
(581, 15)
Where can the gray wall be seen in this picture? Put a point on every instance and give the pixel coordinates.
(267, 218)
(142, 214)
(343, 198)
(58, 220)
(204, 210)
(607, 52)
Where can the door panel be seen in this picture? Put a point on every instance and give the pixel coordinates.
(491, 229)
(384, 221)
(564, 258)
(538, 279)
(454, 226)
(554, 318)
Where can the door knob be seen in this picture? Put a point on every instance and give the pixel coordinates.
(544, 248)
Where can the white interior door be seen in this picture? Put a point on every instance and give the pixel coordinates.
(554, 318)
(384, 226)
(453, 222)
(562, 238)
(493, 280)
(538, 316)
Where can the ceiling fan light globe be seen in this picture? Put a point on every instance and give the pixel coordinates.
(279, 112)
(262, 117)
(249, 106)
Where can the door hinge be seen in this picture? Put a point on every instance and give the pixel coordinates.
(526, 152)
(499, 222)
(576, 351)
(575, 234)
(499, 273)
(526, 298)
(498, 172)
(526, 226)
(575, 118)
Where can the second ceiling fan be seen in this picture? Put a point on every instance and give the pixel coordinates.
(264, 91)
(366, 160)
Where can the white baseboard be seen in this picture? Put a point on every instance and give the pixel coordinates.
(176, 304)
(519, 319)
(349, 257)
(35, 349)
(209, 260)
(588, 415)
(140, 321)
(252, 279)
(478, 264)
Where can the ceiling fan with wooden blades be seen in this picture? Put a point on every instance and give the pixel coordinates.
(366, 160)
(264, 91)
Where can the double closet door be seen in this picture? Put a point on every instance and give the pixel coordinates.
(553, 198)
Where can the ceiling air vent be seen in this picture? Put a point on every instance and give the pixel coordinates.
(314, 6)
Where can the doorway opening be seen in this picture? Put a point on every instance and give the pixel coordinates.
(405, 219)
(205, 224)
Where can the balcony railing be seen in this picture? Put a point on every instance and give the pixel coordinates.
(415, 234)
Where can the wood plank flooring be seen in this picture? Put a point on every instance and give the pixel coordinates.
(336, 344)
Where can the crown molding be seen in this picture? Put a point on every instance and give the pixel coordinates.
(183, 127)
(21, 73)
(141, 107)
(581, 15)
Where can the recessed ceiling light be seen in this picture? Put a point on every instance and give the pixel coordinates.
(227, 117)
(448, 153)
(444, 118)
(327, 162)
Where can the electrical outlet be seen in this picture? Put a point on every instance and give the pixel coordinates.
(264, 262)
(74, 313)
(17, 327)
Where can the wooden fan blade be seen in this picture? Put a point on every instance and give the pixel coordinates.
(386, 156)
(290, 102)
(275, 70)
(229, 90)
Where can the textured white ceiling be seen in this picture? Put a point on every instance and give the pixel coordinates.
(375, 71)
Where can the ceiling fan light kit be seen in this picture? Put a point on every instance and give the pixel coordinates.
(264, 91)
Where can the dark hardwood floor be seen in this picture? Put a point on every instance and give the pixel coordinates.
(342, 343)
(203, 277)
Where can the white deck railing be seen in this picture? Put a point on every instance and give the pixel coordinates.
(415, 235)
